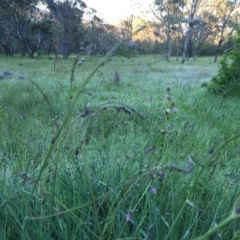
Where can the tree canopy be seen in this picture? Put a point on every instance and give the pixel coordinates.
(184, 28)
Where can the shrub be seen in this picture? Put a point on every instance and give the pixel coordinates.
(227, 79)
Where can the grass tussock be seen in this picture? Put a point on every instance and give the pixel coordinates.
(140, 152)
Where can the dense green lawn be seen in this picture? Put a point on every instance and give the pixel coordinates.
(140, 152)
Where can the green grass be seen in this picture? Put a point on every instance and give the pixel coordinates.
(71, 172)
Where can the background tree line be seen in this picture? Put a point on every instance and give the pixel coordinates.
(183, 28)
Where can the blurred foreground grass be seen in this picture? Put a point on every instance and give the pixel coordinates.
(127, 160)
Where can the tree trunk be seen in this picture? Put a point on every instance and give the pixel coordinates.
(195, 55)
(178, 48)
(55, 61)
(8, 49)
(168, 47)
(24, 49)
(191, 24)
(217, 51)
(189, 33)
(65, 45)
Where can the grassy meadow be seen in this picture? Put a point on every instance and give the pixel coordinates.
(137, 151)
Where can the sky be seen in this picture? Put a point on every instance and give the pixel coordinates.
(114, 10)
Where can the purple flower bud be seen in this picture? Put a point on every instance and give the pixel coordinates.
(160, 175)
(211, 150)
(128, 216)
(149, 149)
(116, 77)
(153, 190)
(7, 73)
(131, 44)
(175, 110)
(156, 33)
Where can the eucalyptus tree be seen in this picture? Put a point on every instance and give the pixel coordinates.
(22, 21)
(6, 45)
(226, 12)
(68, 17)
(95, 32)
(213, 21)
(192, 20)
(220, 19)
(169, 13)
(107, 38)
(6, 41)
(125, 31)
(199, 36)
